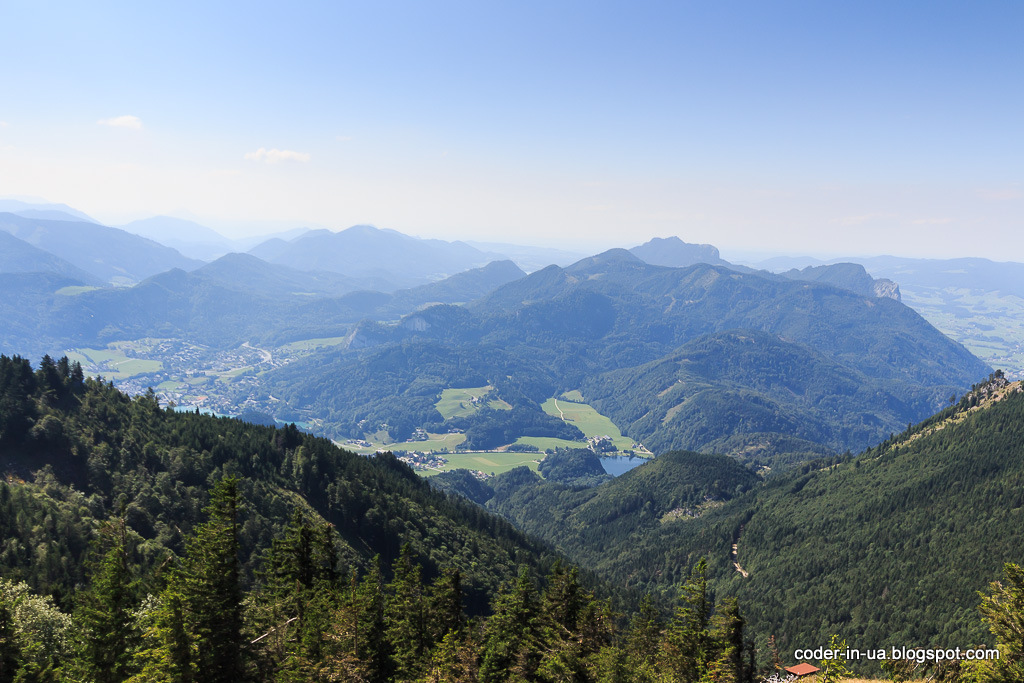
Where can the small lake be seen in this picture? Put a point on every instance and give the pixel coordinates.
(620, 464)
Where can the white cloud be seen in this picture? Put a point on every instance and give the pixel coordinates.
(132, 122)
(273, 156)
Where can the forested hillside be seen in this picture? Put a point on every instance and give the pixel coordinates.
(750, 382)
(99, 453)
(696, 358)
(884, 548)
(144, 544)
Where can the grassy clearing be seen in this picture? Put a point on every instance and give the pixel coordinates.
(379, 441)
(312, 344)
(589, 421)
(573, 395)
(546, 442)
(488, 462)
(459, 402)
(112, 363)
(75, 290)
(137, 366)
(435, 442)
(230, 375)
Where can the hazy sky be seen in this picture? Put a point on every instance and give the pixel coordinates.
(811, 127)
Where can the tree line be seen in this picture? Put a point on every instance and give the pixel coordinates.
(310, 618)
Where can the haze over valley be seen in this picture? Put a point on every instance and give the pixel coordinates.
(502, 343)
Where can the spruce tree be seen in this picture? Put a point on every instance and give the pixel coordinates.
(104, 612)
(644, 638)
(406, 617)
(445, 613)
(727, 666)
(688, 640)
(199, 625)
(512, 639)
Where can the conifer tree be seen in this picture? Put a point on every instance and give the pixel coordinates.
(511, 638)
(444, 606)
(299, 592)
(727, 666)
(453, 660)
(104, 613)
(644, 638)
(367, 632)
(406, 618)
(688, 641)
(169, 654)
(564, 598)
(210, 581)
(198, 626)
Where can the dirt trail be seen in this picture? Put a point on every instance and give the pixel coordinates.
(735, 555)
(560, 413)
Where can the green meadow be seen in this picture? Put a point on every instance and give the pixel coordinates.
(459, 402)
(588, 420)
(74, 290)
(313, 344)
(489, 463)
(112, 363)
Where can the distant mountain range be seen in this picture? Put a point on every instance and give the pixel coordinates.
(190, 238)
(235, 299)
(961, 273)
(363, 251)
(54, 212)
(18, 256)
(694, 355)
(109, 254)
(677, 357)
(672, 251)
(976, 301)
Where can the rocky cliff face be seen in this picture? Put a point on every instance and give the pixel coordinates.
(672, 251)
(851, 276)
(884, 287)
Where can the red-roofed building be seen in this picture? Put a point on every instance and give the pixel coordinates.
(802, 669)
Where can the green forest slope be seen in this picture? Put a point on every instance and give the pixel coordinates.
(75, 452)
(888, 548)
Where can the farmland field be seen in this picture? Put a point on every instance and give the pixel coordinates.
(435, 442)
(74, 290)
(229, 375)
(112, 363)
(989, 324)
(489, 463)
(312, 344)
(460, 402)
(589, 421)
(546, 442)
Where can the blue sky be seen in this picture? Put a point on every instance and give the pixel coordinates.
(801, 127)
